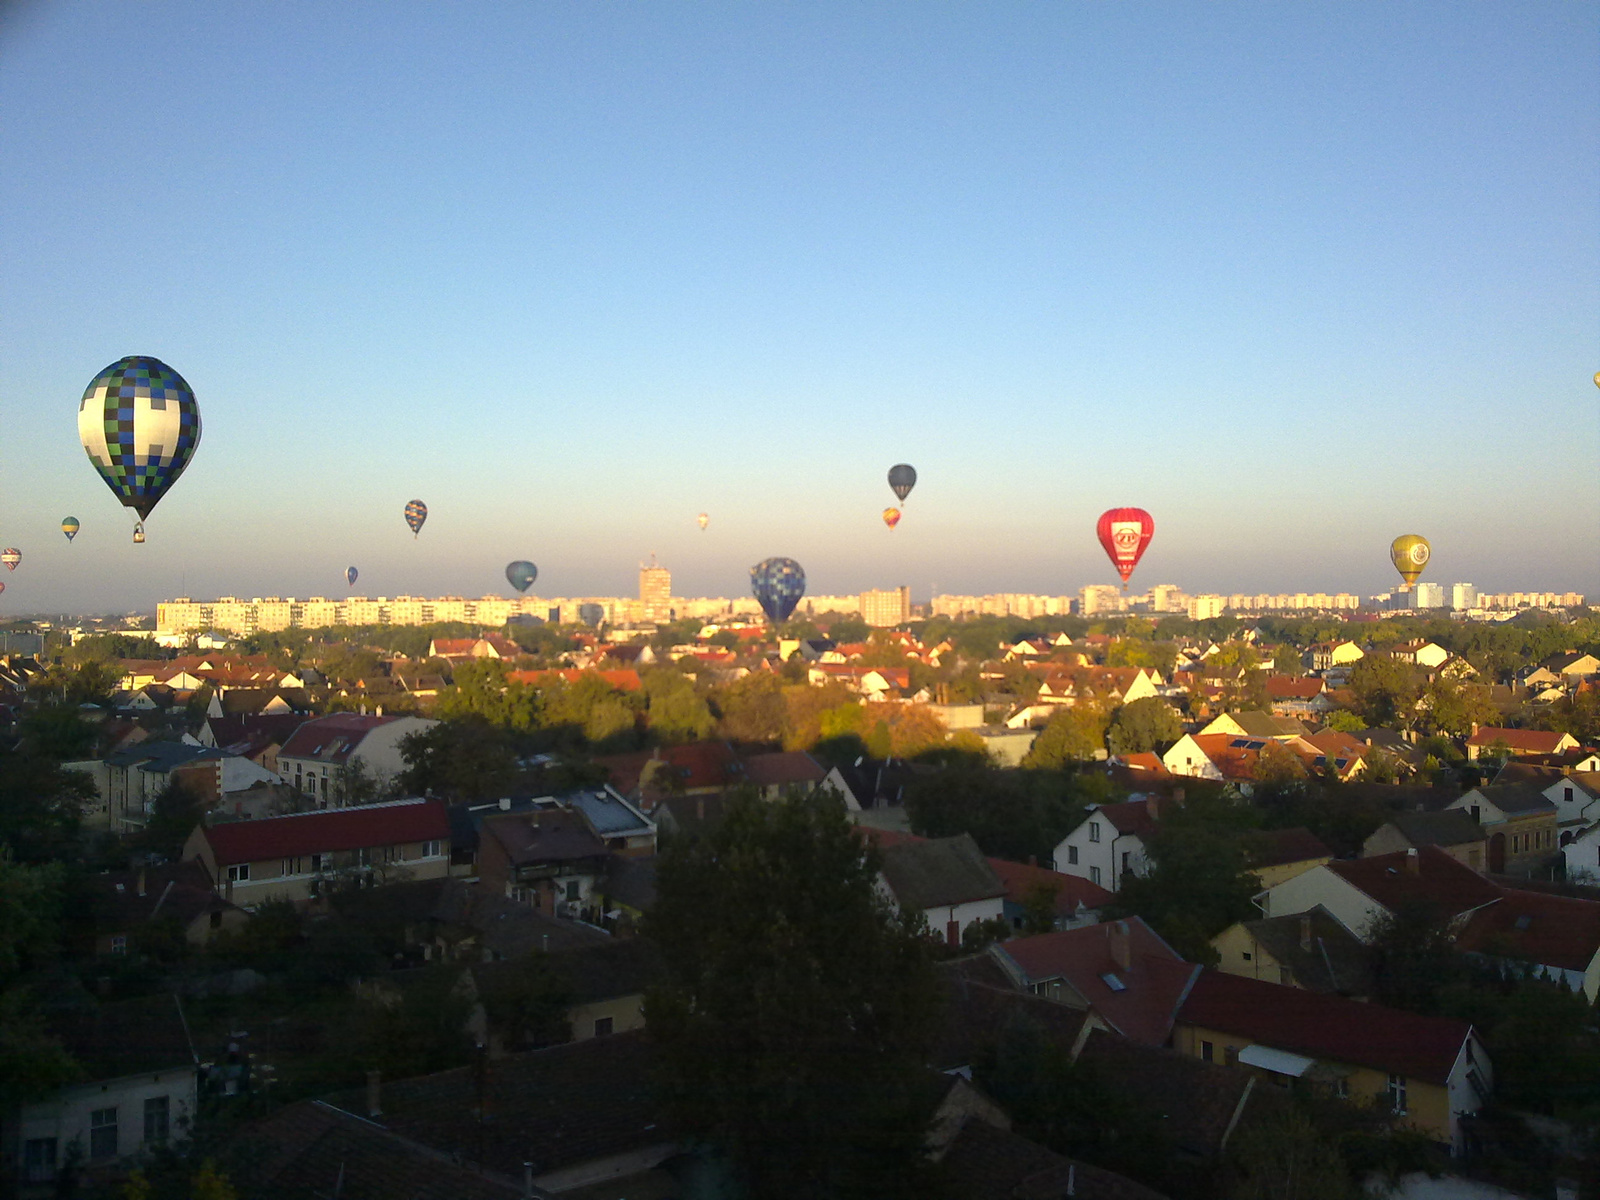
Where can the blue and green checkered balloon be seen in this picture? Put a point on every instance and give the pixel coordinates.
(778, 584)
(139, 424)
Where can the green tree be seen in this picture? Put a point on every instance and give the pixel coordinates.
(467, 758)
(1143, 725)
(41, 806)
(58, 731)
(528, 1002)
(1386, 691)
(31, 1062)
(677, 713)
(483, 690)
(1073, 735)
(798, 1005)
(1342, 720)
(1455, 708)
(1414, 958)
(1287, 1156)
(174, 813)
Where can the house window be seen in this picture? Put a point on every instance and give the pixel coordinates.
(1207, 1051)
(1397, 1093)
(574, 889)
(1094, 875)
(602, 1027)
(316, 862)
(288, 867)
(1231, 1054)
(119, 944)
(1094, 831)
(431, 850)
(1246, 954)
(1126, 855)
(1072, 856)
(156, 1111)
(39, 1160)
(1341, 1088)
(103, 1133)
(239, 873)
(216, 919)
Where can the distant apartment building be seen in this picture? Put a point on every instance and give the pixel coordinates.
(1203, 608)
(655, 592)
(230, 614)
(845, 605)
(1427, 595)
(1168, 597)
(1002, 604)
(882, 609)
(1294, 601)
(1101, 598)
(1510, 601)
(1463, 596)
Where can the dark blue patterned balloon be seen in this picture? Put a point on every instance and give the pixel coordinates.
(778, 583)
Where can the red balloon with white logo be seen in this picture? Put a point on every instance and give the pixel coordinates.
(1125, 532)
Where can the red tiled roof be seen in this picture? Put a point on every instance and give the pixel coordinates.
(1146, 762)
(626, 680)
(331, 738)
(1153, 983)
(453, 647)
(1020, 880)
(1557, 931)
(1287, 687)
(1131, 816)
(1388, 879)
(1275, 847)
(699, 764)
(1527, 741)
(333, 829)
(787, 766)
(1326, 1027)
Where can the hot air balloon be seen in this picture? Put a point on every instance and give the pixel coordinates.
(416, 514)
(1125, 532)
(70, 527)
(702, 520)
(778, 584)
(2, 587)
(891, 517)
(11, 556)
(902, 478)
(351, 575)
(1410, 553)
(591, 614)
(521, 574)
(139, 424)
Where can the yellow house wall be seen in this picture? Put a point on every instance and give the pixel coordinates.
(1427, 1104)
(626, 1013)
(1233, 943)
(1279, 872)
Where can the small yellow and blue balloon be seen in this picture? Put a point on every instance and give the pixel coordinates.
(521, 574)
(416, 514)
(70, 527)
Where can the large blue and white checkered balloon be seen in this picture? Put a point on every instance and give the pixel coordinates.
(139, 424)
(778, 583)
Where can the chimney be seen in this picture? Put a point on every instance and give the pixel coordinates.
(1305, 931)
(1117, 937)
(505, 803)
(527, 1181)
(139, 887)
(1473, 730)
(1177, 795)
(1413, 860)
(378, 711)
(699, 808)
(1152, 805)
(374, 1093)
(1033, 860)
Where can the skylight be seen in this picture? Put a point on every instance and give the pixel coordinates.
(1523, 922)
(1112, 982)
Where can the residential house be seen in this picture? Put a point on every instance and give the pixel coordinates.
(1519, 743)
(1581, 856)
(1432, 1070)
(1325, 656)
(583, 1114)
(648, 776)
(1121, 971)
(947, 880)
(1577, 801)
(136, 1094)
(1421, 653)
(604, 985)
(323, 754)
(311, 1149)
(1362, 892)
(1224, 757)
(1519, 822)
(984, 1160)
(302, 856)
(1279, 854)
(1551, 937)
(122, 906)
(781, 771)
(1564, 671)
(136, 775)
(253, 736)
(548, 858)
(1453, 831)
(1110, 842)
(1309, 950)
(1261, 725)
(621, 825)
(1302, 699)
(1074, 901)
(491, 645)
(1336, 755)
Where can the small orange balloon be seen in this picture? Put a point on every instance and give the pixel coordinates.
(891, 517)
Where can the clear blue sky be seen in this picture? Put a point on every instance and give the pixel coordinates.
(1296, 278)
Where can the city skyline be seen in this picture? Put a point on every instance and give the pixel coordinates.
(1295, 281)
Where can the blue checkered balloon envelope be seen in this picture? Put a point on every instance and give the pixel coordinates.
(778, 584)
(139, 424)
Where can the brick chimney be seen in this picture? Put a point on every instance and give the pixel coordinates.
(1117, 939)
(374, 1093)
(1413, 860)
(1152, 805)
(139, 886)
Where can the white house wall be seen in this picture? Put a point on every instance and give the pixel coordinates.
(1352, 907)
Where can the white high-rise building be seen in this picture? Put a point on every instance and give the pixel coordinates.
(1463, 596)
(882, 609)
(1428, 595)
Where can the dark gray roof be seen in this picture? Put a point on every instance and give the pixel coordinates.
(603, 971)
(631, 881)
(160, 756)
(1335, 961)
(985, 1163)
(1516, 797)
(1452, 827)
(126, 1037)
(939, 872)
(607, 813)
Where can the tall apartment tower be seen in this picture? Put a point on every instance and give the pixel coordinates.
(882, 609)
(1463, 596)
(655, 591)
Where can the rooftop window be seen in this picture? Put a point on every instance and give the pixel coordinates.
(1112, 982)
